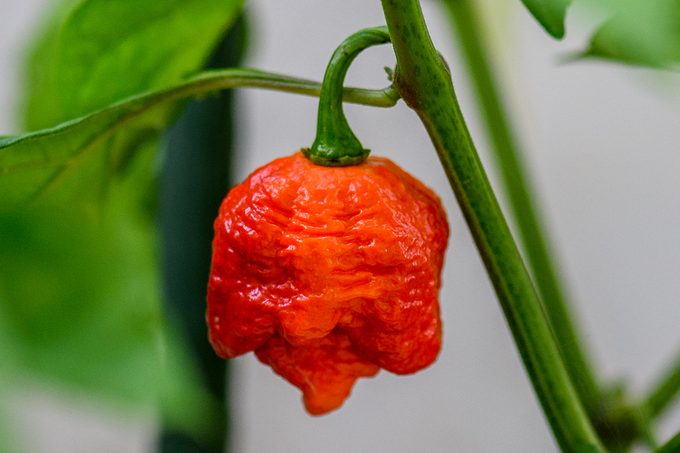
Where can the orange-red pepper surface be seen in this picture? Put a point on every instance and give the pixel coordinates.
(328, 274)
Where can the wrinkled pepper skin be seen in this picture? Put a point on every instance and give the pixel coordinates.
(328, 274)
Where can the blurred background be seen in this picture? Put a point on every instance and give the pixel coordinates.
(602, 143)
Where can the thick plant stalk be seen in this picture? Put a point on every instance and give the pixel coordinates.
(665, 391)
(425, 84)
(672, 446)
(524, 210)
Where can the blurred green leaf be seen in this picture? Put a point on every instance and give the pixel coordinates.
(74, 314)
(639, 32)
(79, 303)
(186, 406)
(549, 13)
(96, 52)
(73, 161)
(7, 443)
(79, 289)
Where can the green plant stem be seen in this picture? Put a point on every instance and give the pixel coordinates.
(664, 392)
(335, 143)
(516, 184)
(672, 446)
(253, 78)
(201, 85)
(425, 85)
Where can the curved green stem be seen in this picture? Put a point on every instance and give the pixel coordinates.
(523, 208)
(335, 143)
(425, 84)
(253, 78)
(664, 392)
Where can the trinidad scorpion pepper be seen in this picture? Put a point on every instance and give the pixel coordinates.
(329, 273)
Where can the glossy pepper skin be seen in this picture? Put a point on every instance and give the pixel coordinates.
(328, 274)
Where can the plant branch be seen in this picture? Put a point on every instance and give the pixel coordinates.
(253, 78)
(672, 446)
(524, 210)
(50, 154)
(202, 84)
(425, 85)
(664, 392)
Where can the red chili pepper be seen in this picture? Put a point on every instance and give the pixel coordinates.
(328, 274)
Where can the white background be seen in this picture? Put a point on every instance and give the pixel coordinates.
(602, 143)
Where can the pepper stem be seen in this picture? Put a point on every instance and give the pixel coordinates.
(335, 144)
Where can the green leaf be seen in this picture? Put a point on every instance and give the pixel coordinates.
(96, 52)
(7, 442)
(639, 32)
(67, 160)
(76, 315)
(550, 14)
(79, 303)
(73, 157)
(79, 290)
(185, 404)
